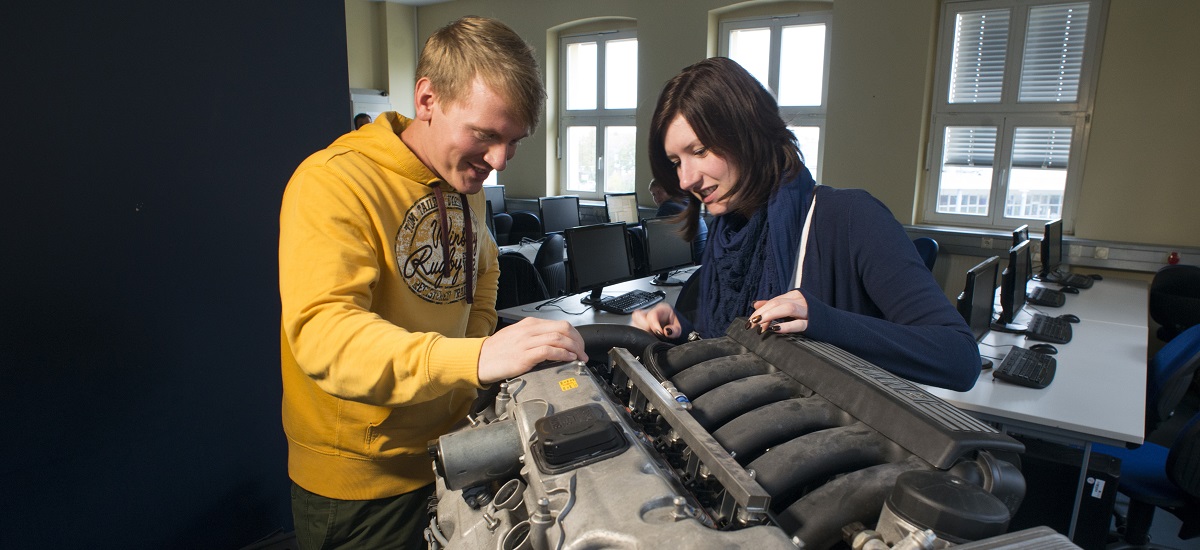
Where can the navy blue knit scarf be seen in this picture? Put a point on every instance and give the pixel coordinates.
(751, 259)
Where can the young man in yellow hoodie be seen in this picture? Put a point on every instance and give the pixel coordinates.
(388, 282)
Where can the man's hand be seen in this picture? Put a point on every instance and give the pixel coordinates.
(515, 349)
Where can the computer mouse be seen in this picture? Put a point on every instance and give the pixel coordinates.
(987, 364)
(1096, 277)
(1044, 348)
(1069, 317)
(1070, 290)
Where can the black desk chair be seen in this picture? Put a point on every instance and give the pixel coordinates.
(502, 224)
(1153, 476)
(637, 249)
(526, 225)
(520, 282)
(550, 265)
(1169, 375)
(928, 249)
(1175, 299)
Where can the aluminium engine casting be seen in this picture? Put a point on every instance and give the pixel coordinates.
(745, 441)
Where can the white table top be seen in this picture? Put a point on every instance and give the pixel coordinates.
(571, 310)
(1099, 391)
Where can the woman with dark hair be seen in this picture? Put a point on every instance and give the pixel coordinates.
(792, 256)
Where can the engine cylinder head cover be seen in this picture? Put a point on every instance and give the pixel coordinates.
(576, 436)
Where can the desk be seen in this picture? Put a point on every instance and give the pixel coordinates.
(1099, 391)
(577, 314)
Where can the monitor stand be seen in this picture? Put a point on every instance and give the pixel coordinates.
(664, 279)
(1011, 329)
(593, 297)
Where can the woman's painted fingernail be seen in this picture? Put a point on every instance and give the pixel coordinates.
(756, 319)
(763, 329)
(749, 325)
(774, 328)
(668, 331)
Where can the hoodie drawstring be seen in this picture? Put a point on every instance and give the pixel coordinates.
(468, 238)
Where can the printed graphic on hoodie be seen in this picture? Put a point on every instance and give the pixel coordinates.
(421, 246)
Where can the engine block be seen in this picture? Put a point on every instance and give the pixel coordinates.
(745, 441)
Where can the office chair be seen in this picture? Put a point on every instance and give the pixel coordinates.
(1169, 375)
(1153, 476)
(526, 225)
(520, 282)
(928, 249)
(550, 265)
(1175, 299)
(637, 249)
(502, 223)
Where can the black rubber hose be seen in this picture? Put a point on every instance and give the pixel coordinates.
(599, 338)
(790, 468)
(817, 518)
(751, 434)
(699, 379)
(731, 400)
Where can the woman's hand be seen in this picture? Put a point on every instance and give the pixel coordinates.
(784, 313)
(659, 320)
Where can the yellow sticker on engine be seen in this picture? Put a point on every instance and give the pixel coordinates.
(568, 384)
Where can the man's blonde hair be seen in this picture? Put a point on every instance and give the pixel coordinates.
(471, 46)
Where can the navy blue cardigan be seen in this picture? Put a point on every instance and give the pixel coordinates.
(869, 293)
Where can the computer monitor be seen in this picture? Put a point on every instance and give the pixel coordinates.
(559, 213)
(1052, 247)
(978, 296)
(666, 250)
(597, 256)
(1020, 235)
(1015, 280)
(490, 219)
(621, 207)
(495, 194)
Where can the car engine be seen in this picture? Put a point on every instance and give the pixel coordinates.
(744, 441)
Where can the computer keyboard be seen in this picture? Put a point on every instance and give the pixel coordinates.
(628, 302)
(1067, 278)
(1048, 329)
(1046, 297)
(1026, 367)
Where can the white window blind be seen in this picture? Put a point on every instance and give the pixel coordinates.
(1053, 58)
(980, 50)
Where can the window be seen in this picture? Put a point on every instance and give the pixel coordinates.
(1015, 81)
(799, 44)
(598, 134)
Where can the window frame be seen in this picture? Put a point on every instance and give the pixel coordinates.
(1010, 113)
(793, 115)
(600, 117)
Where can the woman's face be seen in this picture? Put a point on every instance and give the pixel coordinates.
(701, 172)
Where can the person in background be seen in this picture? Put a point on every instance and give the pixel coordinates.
(361, 119)
(673, 205)
(388, 291)
(789, 255)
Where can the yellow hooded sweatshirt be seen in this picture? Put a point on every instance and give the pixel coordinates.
(380, 341)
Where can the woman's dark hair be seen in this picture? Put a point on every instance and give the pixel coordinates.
(735, 118)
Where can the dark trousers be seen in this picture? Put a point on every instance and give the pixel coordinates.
(396, 522)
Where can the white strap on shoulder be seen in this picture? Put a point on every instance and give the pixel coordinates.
(804, 240)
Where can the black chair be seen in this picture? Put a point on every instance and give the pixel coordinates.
(526, 225)
(520, 282)
(1175, 299)
(502, 223)
(550, 265)
(928, 249)
(637, 250)
(1153, 476)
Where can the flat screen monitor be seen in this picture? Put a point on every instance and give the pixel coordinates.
(495, 194)
(978, 296)
(1014, 283)
(1020, 235)
(621, 207)
(1052, 247)
(490, 219)
(559, 213)
(597, 256)
(666, 250)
